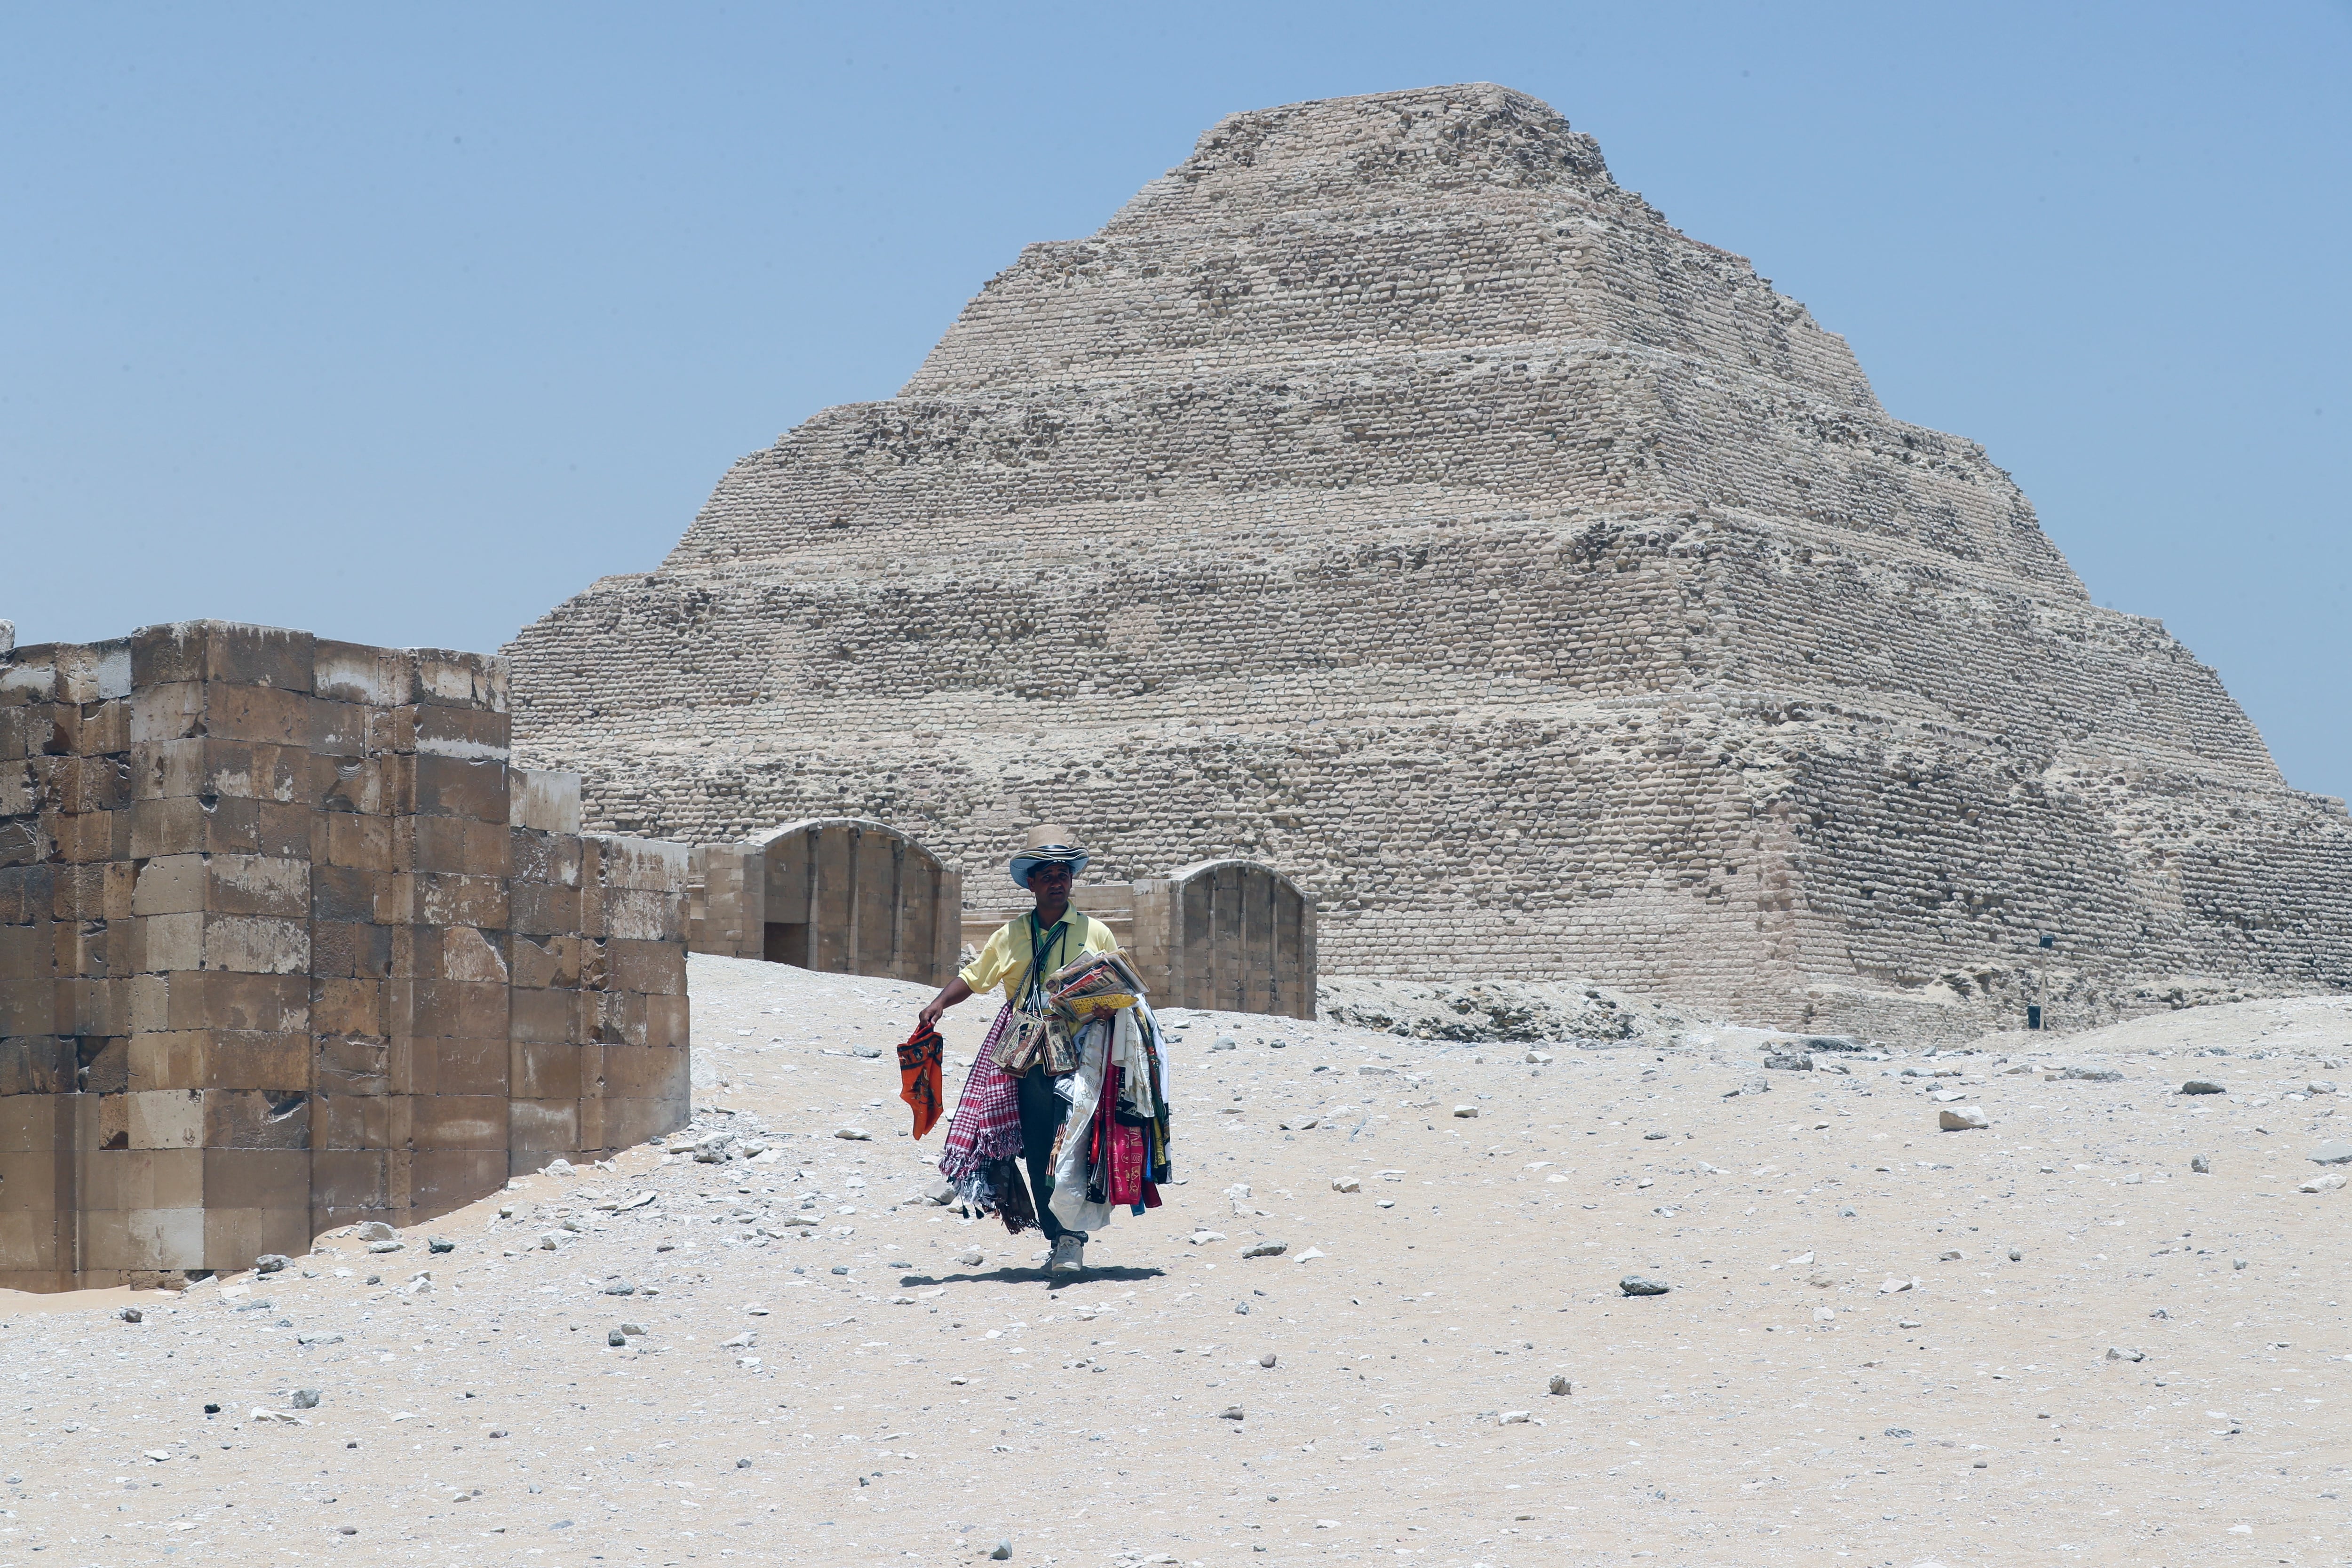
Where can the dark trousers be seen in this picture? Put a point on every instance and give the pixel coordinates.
(1041, 1111)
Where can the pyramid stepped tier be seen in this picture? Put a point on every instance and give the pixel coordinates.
(1387, 494)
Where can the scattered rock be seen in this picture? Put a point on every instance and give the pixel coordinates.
(1227, 1043)
(938, 1190)
(1789, 1061)
(1003, 1550)
(1559, 1383)
(440, 1244)
(384, 1246)
(1962, 1118)
(271, 1262)
(1230, 1412)
(1512, 1418)
(1345, 1184)
(867, 1052)
(1952, 1256)
(2203, 1086)
(855, 1135)
(376, 1230)
(307, 1398)
(133, 1315)
(1634, 1285)
(1465, 1110)
(2092, 1075)
(1266, 1249)
(2117, 1352)
(2327, 1184)
(1268, 1359)
(2201, 1163)
(616, 1339)
(619, 1287)
(2017, 1254)
(970, 1257)
(2331, 1155)
(632, 1331)
(1898, 1431)
(1890, 1287)
(1652, 1137)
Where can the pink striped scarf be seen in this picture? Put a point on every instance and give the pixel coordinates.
(987, 1124)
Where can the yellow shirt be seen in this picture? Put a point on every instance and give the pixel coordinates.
(1005, 960)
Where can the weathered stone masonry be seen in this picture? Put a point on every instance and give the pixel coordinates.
(285, 943)
(1387, 495)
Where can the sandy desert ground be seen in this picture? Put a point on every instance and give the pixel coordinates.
(2049, 1341)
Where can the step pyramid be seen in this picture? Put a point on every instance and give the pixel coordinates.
(1387, 493)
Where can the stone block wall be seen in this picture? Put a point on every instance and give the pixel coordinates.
(286, 943)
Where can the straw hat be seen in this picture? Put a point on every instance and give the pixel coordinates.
(1049, 845)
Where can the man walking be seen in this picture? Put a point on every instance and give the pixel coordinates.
(1018, 957)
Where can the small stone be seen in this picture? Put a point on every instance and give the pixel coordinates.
(2331, 1155)
(867, 1052)
(1907, 1323)
(1898, 1431)
(440, 1244)
(380, 1246)
(506, 1211)
(1512, 1418)
(2327, 1184)
(134, 1315)
(2201, 1164)
(1789, 1061)
(2203, 1086)
(2117, 1352)
(1652, 1137)
(1003, 1551)
(1227, 1043)
(938, 1190)
(616, 1339)
(1890, 1287)
(1634, 1285)
(1846, 1214)
(742, 1464)
(1266, 1249)
(347, 1529)
(855, 1135)
(307, 1398)
(1539, 1059)
(633, 1329)
(1465, 1111)
(1230, 1412)
(271, 1262)
(620, 1288)
(2092, 1075)
(1962, 1118)
(1243, 1307)
(1345, 1184)
(376, 1230)
(1559, 1383)
(549, 1241)
(1266, 1359)
(2017, 1254)
(970, 1258)
(1953, 1257)
(2237, 1263)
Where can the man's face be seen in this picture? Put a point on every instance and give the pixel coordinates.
(1051, 882)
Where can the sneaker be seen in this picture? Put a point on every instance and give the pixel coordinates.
(1069, 1255)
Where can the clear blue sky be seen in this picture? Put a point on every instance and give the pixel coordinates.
(403, 324)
